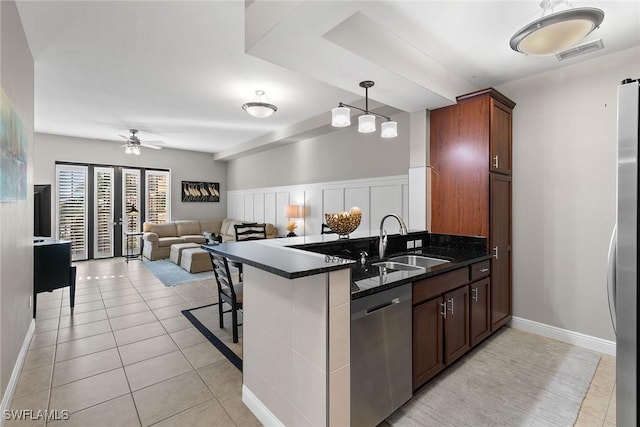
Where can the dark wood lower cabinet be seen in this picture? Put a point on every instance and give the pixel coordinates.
(480, 310)
(428, 355)
(456, 324)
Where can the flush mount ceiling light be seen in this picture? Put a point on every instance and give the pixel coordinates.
(556, 31)
(259, 107)
(341, 116)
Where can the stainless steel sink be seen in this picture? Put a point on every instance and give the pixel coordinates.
(397, 266)
(418, 261)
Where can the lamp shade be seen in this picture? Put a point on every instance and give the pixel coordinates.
(340, 117)
(556, 32)
(293, 211)
(367, 123)
(259, 107)
(389, 129)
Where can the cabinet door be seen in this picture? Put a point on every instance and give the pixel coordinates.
(500, 242)
(479, 311)
(456, 324)
(427, 341)
(500, 138)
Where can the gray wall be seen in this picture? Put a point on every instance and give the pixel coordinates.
(341, 155)
(16, 218)
(184, 166)
(564, 191)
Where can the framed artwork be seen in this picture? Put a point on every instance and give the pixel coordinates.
(198, 191)
(13, 153)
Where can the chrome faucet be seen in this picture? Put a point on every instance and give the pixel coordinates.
(382, 244)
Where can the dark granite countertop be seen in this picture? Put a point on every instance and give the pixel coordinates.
(288, 258)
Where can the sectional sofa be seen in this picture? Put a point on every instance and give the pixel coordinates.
(158, 238)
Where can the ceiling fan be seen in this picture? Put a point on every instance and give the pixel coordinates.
(134, 143)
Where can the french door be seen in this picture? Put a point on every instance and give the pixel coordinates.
(95, 205)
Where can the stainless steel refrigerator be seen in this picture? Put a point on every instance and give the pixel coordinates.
(623, 255)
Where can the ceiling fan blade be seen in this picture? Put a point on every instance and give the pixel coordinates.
(152, 142)
(125, 137)
(155, 147)
(125, 145)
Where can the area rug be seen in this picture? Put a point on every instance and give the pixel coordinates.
(206, 320)
(171, 274)
(513, 379)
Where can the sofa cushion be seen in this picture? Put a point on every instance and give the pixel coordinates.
(193, 238)
(227, 238)
(168, 241)
(167, 229)
(210, 225)
(224, 227)
(187, 227)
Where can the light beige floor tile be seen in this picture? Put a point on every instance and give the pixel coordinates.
(202, 354)
(84, 346)
(87, 289)
(141, 350)
(188, 337)
(123, 310)
(126, 299)
(82, 299)
(586, 420)
(83, 331)
(119, 412)
(170, 311)
(207, 414)
(37, 357)
(43, 339)
(90, 391)
(130, 290)
(595, 403)
(51, 313)
(611, 410)
(67, 321)
(157, 369)
(33, 381)
(240, 414)
(160, 293)
(46, 304)
(46, 325)
(138, 333)
(85, 366)
(168, 398)
(130, 320)
(87, 306)
(33, 402)
(165, 301)
(177, 323)
(222, 378)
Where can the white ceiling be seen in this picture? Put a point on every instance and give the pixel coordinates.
(180, 71)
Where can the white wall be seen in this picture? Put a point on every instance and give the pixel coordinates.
(564, 191)
(16, 217)
(375, 197)
(341, 155)
(184, 166)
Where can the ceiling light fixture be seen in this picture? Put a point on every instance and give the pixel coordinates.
(558, 31)
(259, 107)
(341, 116)
(132, 148)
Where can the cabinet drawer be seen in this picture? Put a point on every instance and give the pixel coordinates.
(438, 285)
(480, 270)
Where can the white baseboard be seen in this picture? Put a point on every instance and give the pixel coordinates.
(564, 335)
(7, 397)
(261, 412)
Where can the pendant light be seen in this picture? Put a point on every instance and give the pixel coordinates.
(259, 107)
(341, 116)
(557, 31)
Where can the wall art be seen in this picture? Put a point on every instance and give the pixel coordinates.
(198, 191)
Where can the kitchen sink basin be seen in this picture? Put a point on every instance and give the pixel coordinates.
(397, 266)
(417, 261)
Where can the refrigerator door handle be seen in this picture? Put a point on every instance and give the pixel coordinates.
(611, 275)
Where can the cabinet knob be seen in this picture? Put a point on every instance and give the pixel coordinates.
(495, 161)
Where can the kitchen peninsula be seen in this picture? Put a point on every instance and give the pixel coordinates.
(297, 295)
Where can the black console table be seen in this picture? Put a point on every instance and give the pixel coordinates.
(52, 268)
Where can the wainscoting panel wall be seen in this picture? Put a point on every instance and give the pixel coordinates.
(375, 197)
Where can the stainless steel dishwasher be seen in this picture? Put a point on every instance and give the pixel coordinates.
(380, 355)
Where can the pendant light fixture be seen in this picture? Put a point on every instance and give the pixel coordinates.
(556, 31)
(259, 107)
(341, 116)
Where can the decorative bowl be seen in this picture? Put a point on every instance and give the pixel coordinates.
(343, 223)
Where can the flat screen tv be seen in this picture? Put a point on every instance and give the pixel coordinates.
(42, 210)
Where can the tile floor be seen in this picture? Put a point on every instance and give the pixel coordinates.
(128, 357)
